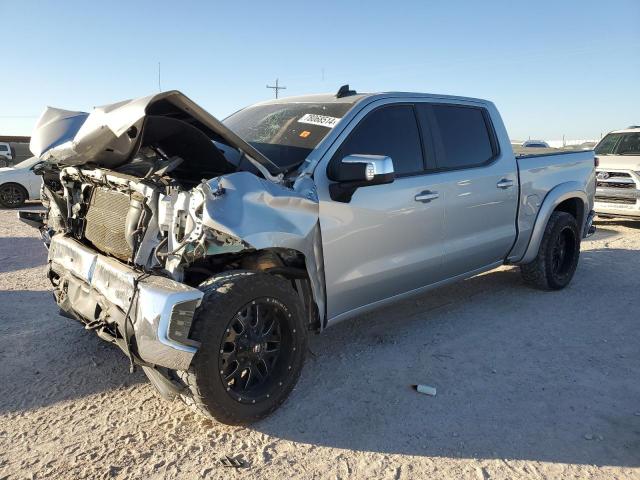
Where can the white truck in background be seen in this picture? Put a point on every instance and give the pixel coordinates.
(618, 174)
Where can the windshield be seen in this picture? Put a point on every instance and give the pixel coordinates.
(619, 144)
(286, 133)
(28, 163)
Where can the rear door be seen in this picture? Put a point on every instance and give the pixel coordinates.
(480, 184)
(388, 239)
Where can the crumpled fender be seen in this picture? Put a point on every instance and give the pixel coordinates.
(267, 215)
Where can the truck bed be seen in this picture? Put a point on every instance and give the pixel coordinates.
(541, 173)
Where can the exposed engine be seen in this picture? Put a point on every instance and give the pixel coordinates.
(152, 221)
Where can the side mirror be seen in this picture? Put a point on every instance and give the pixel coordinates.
(365, 169)
(355, 171)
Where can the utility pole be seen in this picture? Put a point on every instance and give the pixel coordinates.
(276, 87)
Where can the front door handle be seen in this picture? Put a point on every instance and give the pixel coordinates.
(426, 196)
(505, 183)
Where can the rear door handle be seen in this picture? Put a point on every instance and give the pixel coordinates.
(426, 196)
(504, 183)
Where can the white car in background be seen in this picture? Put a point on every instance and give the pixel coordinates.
(618, 174)
(535, 144)
(19, 183)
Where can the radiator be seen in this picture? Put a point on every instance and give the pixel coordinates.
(105, 222)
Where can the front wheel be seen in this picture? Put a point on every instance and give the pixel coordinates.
(253, 338)
(557, 259)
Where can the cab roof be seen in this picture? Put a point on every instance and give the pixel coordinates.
(356, 97)
(631, 129)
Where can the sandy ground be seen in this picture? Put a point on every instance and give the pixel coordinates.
(530, 385)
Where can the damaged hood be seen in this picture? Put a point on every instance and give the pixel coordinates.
(110, 135)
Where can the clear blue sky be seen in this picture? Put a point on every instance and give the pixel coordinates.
(552, 67)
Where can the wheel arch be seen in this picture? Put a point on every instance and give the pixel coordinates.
(567, 197)
(294, 266)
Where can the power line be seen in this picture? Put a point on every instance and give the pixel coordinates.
(276, 87)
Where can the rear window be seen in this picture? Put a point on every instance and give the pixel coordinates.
(286, 133)
(619, 144)
(465, 139)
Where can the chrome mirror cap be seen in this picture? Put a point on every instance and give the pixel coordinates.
(376, 165)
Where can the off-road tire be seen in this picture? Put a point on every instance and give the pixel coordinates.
(18, 190)
(224, 296)
(540, 273)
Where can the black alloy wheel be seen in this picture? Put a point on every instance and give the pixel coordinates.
(563, 251)
(252, 328)
(255, 350)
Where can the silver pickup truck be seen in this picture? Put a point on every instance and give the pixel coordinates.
(208, 250)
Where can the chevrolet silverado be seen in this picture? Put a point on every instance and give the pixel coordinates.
(208, 250)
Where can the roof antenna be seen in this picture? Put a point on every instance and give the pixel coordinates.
(344, 91)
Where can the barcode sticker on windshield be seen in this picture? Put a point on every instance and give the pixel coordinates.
(322, 120)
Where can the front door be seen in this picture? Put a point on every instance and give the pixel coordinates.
(388, 239)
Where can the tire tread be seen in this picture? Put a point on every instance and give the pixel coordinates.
(228, 287)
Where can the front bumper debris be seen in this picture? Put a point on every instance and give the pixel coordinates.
(99, 291)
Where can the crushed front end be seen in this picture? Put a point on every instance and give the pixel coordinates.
(110, 236)
(145, 203)
(147, 316)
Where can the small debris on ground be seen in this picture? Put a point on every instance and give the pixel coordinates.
(235, 462)
(588, 436)
(205, 471)
(426, 389)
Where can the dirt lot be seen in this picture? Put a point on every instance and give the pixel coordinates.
(530, 385)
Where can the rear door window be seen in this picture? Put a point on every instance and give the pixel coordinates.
(463, 136)
(4, 148)
(390, 131)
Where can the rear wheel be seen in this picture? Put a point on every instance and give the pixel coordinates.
(12, 195)
(557, 259)
(253, 338)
